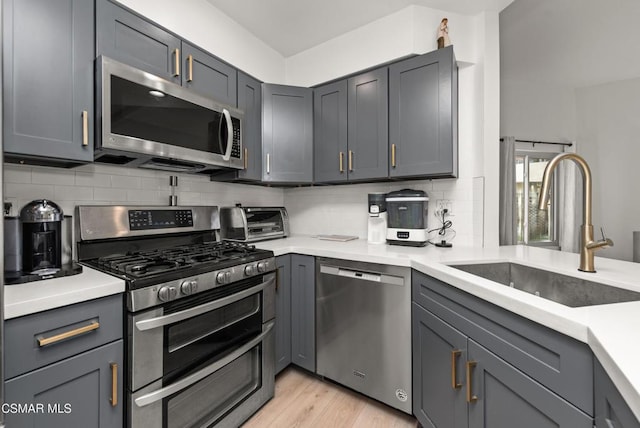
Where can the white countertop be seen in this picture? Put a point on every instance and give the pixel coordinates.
(37, 296)
(610, 330)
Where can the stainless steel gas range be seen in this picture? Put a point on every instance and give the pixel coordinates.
(200, 313)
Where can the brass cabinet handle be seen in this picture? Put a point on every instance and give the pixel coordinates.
(85, 128)
(42, 341)
(341, 163)
(190, 70)
(176, 62)
(393, 155)
(246, 158)
(454, 376)
(114, 384)
(471, 398)
(268, 163)
(350, 160)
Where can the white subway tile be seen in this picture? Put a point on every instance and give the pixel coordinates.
(53, 176)
(92, 179)
(17, 173)
(73, 193)
(125, 182)
(29, 192)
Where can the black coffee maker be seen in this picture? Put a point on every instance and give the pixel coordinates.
(41, 237)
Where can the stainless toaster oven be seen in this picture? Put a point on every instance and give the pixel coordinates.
(250, 224)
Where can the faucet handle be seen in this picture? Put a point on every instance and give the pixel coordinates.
(606, 240)
(602, 233)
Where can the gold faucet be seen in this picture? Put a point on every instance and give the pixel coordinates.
(589, 246)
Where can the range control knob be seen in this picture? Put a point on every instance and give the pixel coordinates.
(189, 286)
(167, 293)
(221, 277)
(249, 270)
(262, 267)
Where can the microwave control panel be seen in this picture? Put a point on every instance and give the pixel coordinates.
(159, 219)
(235, 148)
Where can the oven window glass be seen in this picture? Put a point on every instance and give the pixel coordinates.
(194, 341)
(264, 222)
(140, 112)
(210, 399)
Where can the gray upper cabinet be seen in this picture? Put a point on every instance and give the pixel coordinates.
(48, 54)
(208, 76)
(330, 132)
(130, 39)
(368, 137)
(423, 116)
(250, 101)
(287, 134)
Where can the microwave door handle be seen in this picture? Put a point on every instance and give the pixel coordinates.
(161, 393)
(161, 321)
(227, 119)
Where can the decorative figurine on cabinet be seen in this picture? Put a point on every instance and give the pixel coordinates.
(443, 34)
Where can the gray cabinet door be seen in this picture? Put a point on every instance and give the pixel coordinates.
(303, 303)
(287, 134)
(504, 397)
(611, 409)
(76, 392)
(439, 355)
(368, 125)
(330, 133)
(423, 110)
(207, 75)
(283, 312)
(250, 101)
(48, 54)
(130, 39)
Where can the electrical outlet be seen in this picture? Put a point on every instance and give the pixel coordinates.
(444, 204)
(11, 207)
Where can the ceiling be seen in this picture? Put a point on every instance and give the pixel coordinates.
(570, 42)
(292, 26)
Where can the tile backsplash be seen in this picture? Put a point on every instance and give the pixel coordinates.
(96, 184)
(340, 209)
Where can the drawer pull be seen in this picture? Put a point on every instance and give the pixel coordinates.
(114, 384)
(454, 376)
(44, 341)
(471, 398)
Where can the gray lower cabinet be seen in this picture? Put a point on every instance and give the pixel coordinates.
(130, 38)
(611, 409)
(423, 116)
(81, 391)
(303, 303)
(287, 134)
(66, 366)
(48, 55)
(330, 133)
(476, 365)
(368, 135)
(283, 312)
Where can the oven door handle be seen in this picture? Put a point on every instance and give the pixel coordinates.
(152, 323)
(178, 386)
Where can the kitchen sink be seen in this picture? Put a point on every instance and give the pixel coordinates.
(563, 289)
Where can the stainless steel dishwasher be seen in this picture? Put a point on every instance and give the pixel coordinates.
(363, 328)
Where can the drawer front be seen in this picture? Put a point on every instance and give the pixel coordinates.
(40, 339)
(558, 362)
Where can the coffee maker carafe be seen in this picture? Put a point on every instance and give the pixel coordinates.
(41, 237)
(377, 225)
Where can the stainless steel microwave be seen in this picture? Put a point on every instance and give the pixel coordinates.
(146, 121)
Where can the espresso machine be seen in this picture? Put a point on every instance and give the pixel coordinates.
(377, 225)
(38, 244)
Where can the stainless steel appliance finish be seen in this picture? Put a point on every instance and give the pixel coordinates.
(149, 122)
(201, 345)
(363, 328)
(252, 224)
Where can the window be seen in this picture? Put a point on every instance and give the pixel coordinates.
(534, 226)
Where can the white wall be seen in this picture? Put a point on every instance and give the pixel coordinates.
(609, 135)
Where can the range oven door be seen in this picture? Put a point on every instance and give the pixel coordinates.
(212, 362)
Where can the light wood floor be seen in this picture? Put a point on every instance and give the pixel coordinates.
(302, 400)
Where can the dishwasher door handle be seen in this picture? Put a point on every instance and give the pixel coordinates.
(378, 278)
